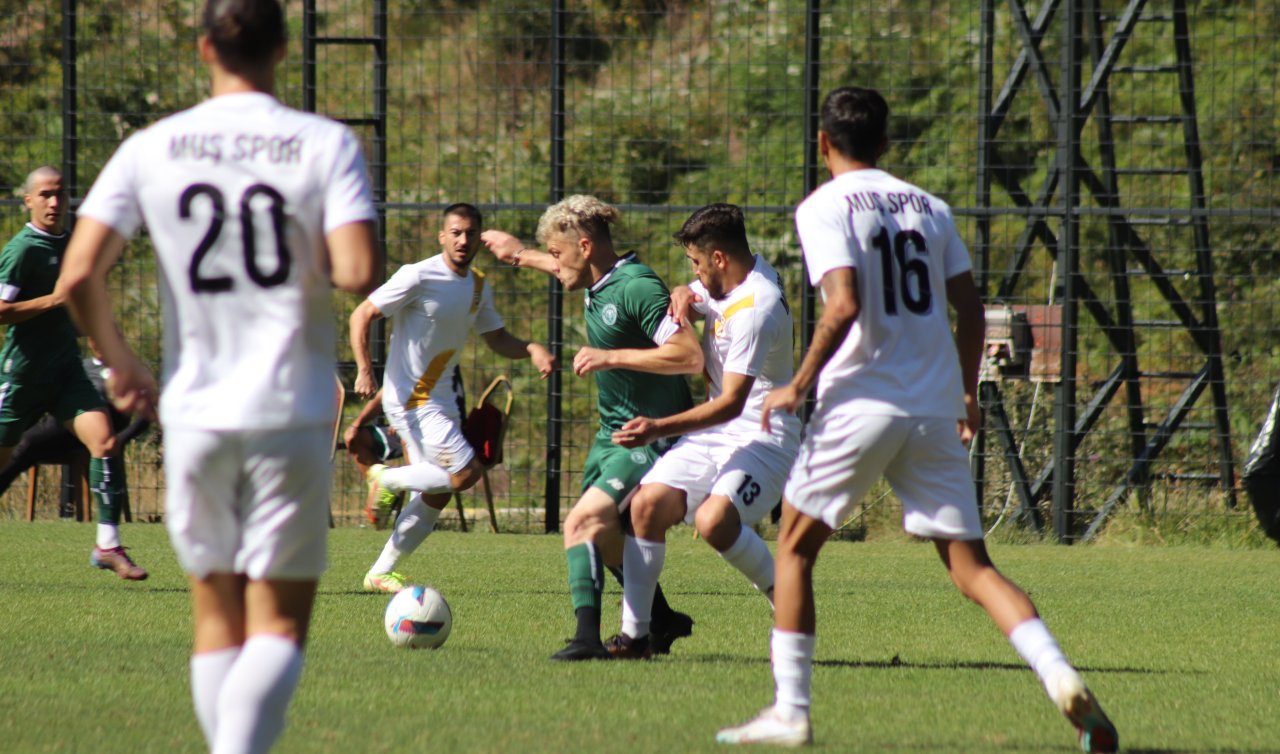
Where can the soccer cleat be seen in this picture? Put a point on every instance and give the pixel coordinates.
(663, 633)
(381, 499)
(623, 647)
(580, 649)
(1096, 733)
(115, 559)
(769, 728)
(390, 583)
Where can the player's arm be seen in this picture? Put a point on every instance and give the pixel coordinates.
(512, 251)
(371, 410)
(725, 407)
(93, 249)
(971, 327)
(839, 310)
(504, 343)
(21, 311)
(361, 318)
(354, 257)
(678, 354)
(682, 303)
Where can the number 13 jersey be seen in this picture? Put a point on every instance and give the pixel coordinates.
(238, 194)
(899, 357)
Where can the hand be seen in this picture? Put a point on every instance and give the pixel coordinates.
(637, 432)
(132, 388)
(349, 435)
(785, 398)
(969, 426)
(503, 245)
(682, 300)
(590, 360)
(365, 386)
(543, 359)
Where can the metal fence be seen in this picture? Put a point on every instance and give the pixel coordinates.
(1112, 165)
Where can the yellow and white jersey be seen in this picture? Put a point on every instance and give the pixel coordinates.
(432, 309)
(749, 332)
(239, 193)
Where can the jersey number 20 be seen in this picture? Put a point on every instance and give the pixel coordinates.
(204, 283)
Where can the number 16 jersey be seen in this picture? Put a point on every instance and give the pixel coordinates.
(899, 357)
(238, 194)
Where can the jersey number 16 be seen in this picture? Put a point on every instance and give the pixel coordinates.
(202, 282)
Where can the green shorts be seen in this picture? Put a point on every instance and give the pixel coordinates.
(615, 470)
(63, 391)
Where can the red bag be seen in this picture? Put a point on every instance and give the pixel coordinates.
(486, 425)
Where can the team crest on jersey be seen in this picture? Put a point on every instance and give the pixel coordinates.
(718, 328)
(616, 483)
(639, 458)
(609, 315)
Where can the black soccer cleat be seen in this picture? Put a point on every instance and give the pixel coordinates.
(581, 649)
(623, 647)
(662, 634)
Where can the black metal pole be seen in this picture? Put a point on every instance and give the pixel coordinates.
(70, 112)
(982, 230)
(378, 170)
(812, 163)
(1069, 264)
(309, 56)
(555, 295)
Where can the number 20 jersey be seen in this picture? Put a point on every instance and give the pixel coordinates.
(899, 357)
(238, 194)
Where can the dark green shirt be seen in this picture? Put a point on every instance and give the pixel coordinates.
(624, 310)
(30, 263)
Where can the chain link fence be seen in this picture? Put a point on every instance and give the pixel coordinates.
(1111, 164)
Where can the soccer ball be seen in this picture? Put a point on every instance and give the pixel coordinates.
(417, 617)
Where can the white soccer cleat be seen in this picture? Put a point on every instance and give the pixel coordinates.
(769, 728)
(1096, 733)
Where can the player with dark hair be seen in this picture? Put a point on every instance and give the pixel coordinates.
(892, 381)
(725, 473)
(40, 363)
(255, 212)
(638, 356)
(433, 306)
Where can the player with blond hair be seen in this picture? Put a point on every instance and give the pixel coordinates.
(892, 381)
(638, 356)
(256, 211)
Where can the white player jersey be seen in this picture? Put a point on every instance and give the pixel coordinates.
(900, 357)
(238, 194)
(432, 310)
(749, 332)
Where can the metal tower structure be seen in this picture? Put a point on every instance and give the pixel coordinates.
(1118, 99)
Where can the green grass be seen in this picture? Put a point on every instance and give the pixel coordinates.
(1179, 644)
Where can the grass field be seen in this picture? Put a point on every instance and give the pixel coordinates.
(1180, 644)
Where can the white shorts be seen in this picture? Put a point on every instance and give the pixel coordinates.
(430, 434)
(751, 473)
(922, 458)
(251, 502)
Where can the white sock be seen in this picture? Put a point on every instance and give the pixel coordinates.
(256, 695)
(425, 477)
(108, 536)
(792, 655)
(642, 562)
(750, 555)
(208, 671)
(1038, 647)
(417, 520)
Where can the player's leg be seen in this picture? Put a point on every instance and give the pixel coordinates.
(217, 604)
(110, 487)
(590, 528)
(281, 550)
(443, 463)
(941, 504)
(655, 508)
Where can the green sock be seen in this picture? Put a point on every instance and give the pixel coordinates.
(106, 479)
(586, 575)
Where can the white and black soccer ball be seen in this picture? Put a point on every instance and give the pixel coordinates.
(417, 617)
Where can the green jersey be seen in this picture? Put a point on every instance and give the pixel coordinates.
(624, 309)
(29, 268)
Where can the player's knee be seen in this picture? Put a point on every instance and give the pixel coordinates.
(467, 477)
(720, 525)
(101, 447)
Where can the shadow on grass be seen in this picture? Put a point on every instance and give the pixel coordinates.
(897, 662)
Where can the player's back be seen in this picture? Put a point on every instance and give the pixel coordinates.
(899, 357)
(238, 194)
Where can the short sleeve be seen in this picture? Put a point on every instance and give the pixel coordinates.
(748, 342)
(955, 257)
(347, 196)
(392, 295)
(113, 200)
(11, 272)
(487, 317)
(647, 301)
(825, 237)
